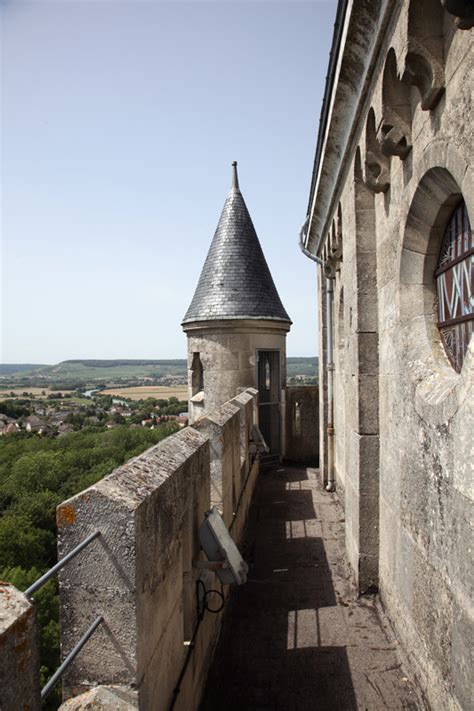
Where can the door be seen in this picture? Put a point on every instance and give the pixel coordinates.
(269, 389)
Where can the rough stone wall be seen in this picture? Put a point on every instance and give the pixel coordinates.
(139, 574)
(19, 652)
(302, 424)
(148, 512)
(418, 479)
(222, 427)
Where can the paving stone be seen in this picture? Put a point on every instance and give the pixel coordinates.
(296, 637)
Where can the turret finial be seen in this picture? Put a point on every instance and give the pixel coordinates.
(235, 177)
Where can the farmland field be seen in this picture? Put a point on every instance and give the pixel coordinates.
(143, 391)
(37, 392)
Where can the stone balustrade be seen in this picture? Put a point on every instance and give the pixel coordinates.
(139, 574)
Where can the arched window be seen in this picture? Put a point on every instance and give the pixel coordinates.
(455, 286)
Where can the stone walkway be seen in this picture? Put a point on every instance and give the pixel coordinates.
(296, 637)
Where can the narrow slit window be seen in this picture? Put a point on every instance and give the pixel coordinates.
(297, 419)
(197, 379)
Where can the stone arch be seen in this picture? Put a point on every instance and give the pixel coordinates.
(396, 111)
(424, 61)
(376, 164)
(437, 386)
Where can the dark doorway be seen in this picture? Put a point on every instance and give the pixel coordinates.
(269, 389)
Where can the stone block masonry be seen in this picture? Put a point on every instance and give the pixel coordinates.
(139, 573)
(19, 652)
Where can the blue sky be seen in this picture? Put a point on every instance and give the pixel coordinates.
(119, 123)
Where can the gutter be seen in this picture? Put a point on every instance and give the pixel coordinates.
(323, 118)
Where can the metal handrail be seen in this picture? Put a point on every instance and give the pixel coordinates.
(70, 657)
(61, 563)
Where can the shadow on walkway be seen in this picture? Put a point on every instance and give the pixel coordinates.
(295, 637)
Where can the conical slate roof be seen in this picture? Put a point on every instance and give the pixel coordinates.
(235, 281)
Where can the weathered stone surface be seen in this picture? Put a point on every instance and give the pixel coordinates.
(222, 427)
(228, 352)
(139, 574)
(397, 384)
(103, 698)
(148, 512)
(19, 652)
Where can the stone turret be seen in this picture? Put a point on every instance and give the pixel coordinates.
(234, 316)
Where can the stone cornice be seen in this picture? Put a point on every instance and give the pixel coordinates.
(363, 36)
(237, 325)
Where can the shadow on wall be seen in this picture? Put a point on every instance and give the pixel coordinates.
(302, 424)
(284, 663)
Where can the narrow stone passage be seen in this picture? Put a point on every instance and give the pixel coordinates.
(296, 637)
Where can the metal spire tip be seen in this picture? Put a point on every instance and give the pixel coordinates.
(235, 177)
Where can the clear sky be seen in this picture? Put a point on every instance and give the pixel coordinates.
(119, 123)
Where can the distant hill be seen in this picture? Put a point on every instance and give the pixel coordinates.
(302, 366)
(90, 371)
(11, 368)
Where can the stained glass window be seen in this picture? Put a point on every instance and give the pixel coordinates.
(455, 285)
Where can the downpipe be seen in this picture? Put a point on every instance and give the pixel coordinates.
(330, 486)
(330, 377)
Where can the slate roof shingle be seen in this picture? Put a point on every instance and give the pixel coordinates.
(235, 281)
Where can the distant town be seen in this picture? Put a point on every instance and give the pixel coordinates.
(75, 394)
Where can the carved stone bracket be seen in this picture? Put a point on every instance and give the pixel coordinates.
(332, 252)
(376, 165)
(377, 170)
(395, 133)
(425, 72)
(394, 141)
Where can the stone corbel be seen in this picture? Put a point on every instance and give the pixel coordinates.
(335, 244)
(376, 164)
(332, 253)
(463, 11)
(394, 137)
(376, 169)
(425, 71)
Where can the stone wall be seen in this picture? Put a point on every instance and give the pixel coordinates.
(302, 424)
(19, 652)
(228, 354)
(141, 575)
(403, 416)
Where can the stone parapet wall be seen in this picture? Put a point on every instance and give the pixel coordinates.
(155, 643)
(19, 652)
(139, 573)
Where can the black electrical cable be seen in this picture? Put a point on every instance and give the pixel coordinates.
(202, 606)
